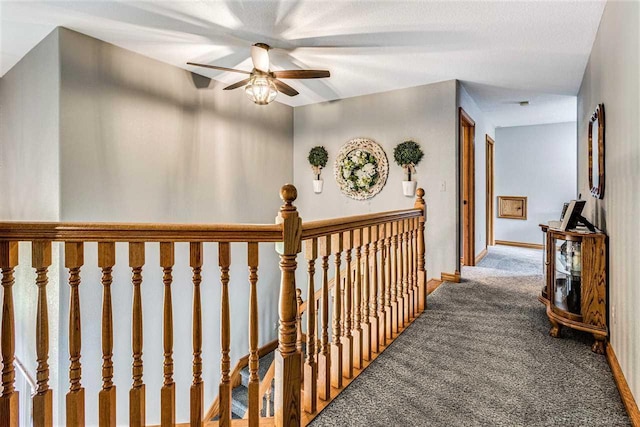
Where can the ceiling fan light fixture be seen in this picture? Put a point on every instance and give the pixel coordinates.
(261, 90)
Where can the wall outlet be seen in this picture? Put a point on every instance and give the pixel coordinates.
(275, 326)
(443, 186)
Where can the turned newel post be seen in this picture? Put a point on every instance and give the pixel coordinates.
(9, 397)
(287, 360)
(422, 273)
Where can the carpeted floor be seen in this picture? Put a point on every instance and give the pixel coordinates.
(481, 356)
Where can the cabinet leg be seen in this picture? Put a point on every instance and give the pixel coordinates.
(555, 328)
(598, 345)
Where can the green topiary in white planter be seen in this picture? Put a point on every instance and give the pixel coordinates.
(408, 154)
(318, 158)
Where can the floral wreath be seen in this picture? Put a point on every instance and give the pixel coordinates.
(361, 168)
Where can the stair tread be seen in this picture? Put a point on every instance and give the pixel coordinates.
(263, 366)
(239, 400)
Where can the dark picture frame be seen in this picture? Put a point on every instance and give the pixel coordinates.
(596, 152)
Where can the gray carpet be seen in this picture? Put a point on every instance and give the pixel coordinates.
(481, 356)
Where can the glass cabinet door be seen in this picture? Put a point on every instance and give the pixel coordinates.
(545, 262)
(567, 275)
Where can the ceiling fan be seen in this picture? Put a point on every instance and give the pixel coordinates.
(263, 85)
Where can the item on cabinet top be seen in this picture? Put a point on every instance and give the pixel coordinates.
(572, 217)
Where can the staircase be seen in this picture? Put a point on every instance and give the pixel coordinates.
(240, 394)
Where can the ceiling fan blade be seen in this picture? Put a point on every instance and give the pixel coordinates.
(301, 74)
(260, 57)
(214, 67)
(237, 84)
(285, 88)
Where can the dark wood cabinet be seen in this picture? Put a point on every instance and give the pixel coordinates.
(576, 283)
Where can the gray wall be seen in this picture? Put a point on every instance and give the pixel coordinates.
(30, 177)
(426, 114)
(143, 141)
(611, 77)
(482, 128)
(538, 162)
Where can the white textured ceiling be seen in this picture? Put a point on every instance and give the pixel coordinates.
(504, 51)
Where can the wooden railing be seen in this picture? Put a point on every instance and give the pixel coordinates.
(386, 290)
(367, 303)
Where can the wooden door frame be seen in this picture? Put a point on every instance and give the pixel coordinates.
(490, 180)
(466, 142)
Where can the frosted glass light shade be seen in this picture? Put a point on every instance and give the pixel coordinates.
(261, 90)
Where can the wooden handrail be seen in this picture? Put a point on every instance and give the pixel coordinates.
(143, 232)
(315, 229)
(382, 298)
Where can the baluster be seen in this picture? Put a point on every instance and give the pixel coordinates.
(268, 410)
(299, 331)
(367, 333)
(224, 261)
(405, 272)
(43, 399)
(9, 400)
(168, 391)
(318, 328)
(400, 278)
(410, 260)
(324, 358)
(73, 260)
(387, 282)
(196, 391)
(414, 266)
(137, 392)
(395, 319)
(373, 291)
(254, 379)
(310, 376)
(382, 319)
(347, 339)
(107, 396)
(357, 302)
(336, 345)
(287, 361)
(422, 273)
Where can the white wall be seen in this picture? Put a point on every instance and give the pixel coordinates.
(99, 133)
(611, 77)
(482, 128)
(426, 114)
(538, 162)
(30, 177)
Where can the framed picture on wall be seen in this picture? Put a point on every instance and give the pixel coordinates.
(512, 207)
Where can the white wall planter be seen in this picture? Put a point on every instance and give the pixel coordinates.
(317, 185)
(409, 188)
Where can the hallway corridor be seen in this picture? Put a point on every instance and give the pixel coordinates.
(481, 355)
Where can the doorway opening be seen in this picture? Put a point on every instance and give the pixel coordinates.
(490, 173)
(467, 186)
